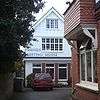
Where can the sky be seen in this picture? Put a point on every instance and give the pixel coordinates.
(59, 5)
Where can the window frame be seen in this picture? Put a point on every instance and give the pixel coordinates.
(55, 42)
(52, 23)
(84, 52)
(64, 67)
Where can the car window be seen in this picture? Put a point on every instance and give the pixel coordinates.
(42, 76)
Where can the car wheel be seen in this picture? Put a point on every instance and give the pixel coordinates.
(51, 88)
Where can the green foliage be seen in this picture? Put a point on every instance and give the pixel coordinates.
(30, 80)
(15, 29)
(19, 65)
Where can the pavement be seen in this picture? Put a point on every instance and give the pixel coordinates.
(55, 94)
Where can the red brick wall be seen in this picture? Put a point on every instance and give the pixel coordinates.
(87, 16)
(80, 12)
(56, 74)
(87, 11)
(74, 15)
(75, 66)
(98, 52)
(83, 94)
(79, 93)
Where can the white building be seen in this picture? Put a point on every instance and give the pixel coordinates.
(49, 50)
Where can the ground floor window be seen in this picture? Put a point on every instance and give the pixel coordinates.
(50, 69)
(88, 66)
(63, 71)
(36, 68)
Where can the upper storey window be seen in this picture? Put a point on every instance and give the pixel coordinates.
(51, 23)
(52, 44)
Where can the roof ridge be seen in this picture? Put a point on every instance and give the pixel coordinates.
(52, 8)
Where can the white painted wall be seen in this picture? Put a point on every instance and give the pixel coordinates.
(28, 68)
(41, 29)
(40, 32)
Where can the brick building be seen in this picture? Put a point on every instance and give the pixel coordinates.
(82, 30)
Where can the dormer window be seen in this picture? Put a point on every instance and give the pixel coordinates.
(51, 23)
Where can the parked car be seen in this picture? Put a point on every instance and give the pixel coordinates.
(42, 81)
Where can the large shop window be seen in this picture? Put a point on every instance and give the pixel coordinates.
(52, 23)
(62, 71)
(52, 44)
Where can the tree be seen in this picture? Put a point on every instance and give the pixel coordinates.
(15, 29)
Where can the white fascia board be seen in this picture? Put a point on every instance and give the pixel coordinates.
(45, 59)
(48, 60)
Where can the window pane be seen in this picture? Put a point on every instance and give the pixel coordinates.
(43, 40)
(49, 65)
(36, 70)
(50, 71)
(62, 65)
(60, 40)
(92, 31)
(52, 40)
(36, 65)
(56, 23)
(60, 47)
(52, 46)
(89, 70)
(94, 67)
(56, 40)
(47, 40)
(62, 73)
(56, 46)
(47, 23)
(83, 67)
(43, 46)
(52, 23)
(47, 46)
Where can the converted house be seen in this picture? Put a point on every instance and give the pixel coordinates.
(82, 30)
(49, 50)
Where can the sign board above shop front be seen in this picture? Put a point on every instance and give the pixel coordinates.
(41, 55)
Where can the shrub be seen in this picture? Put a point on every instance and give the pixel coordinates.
(30, 80)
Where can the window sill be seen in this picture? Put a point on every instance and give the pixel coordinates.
(89, 86)
(62, 80)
